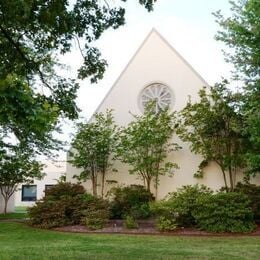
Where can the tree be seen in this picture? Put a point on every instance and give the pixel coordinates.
(16, 167)
(145, 144)
(32, 35)
(241, 32)
(25, 119)
(213, 126)
(93, 147)
(34, 97)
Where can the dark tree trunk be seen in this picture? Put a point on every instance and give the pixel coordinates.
(6, 203)
(225, 179)
(94, 186)
(148, 183)
(103, 184)
(231, 179)
(156, 186)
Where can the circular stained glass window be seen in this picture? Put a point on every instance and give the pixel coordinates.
(159, 93)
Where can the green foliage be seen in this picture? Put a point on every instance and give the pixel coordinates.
(96, 213)
(49, 213)
(62, 189)
(165, 224)
(93, 222)
(34, 93)
(213, 127)
(130, 223)
(224, 212)
(33, 96)
(130, 201)
(63, 204)
(92, 148)
(27, 115)
(253, 193)
(178, 206)
(241, 32)
(144, 145)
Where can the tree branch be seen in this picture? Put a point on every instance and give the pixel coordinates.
(22, 55)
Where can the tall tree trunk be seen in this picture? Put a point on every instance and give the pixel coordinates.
(94, 185)
(225, 179)
(148, 183)
(231, 178)
(7, 192)
(6, 199)
(156, 186)
(103, 184)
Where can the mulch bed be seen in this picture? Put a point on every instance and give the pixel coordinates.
(147, 228)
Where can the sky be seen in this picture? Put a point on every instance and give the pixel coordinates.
(188, 25)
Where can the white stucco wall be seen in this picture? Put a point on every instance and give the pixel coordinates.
(156, 61)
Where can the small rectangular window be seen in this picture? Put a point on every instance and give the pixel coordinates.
(29, 192)
(48, 186)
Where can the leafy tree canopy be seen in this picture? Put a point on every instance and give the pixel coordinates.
(213, 126)
(241, 32)
(145, 144)
(32, 34)
(93, 147)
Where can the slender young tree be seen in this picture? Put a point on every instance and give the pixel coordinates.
(213, 127)
(17, 167)
(241, 33)
(145, 144)
(93, 147)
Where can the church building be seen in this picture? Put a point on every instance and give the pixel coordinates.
(156, 71)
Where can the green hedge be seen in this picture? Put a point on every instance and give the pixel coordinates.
(130, 201)
(224, 212)
(178, 206)
(253, 193)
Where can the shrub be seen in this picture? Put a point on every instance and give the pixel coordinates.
(165, 224)
(130, 201)
(49, 213)
(130, 223)
(253, 193)
(64, 189)
(96, 212)
(224, 212)
(66, 204)
(178, 206)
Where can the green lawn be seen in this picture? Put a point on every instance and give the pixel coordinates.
(17, 241)
(20, 213)
(20, 209)
(13, 216)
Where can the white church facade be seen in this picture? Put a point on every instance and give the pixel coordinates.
(157, 70)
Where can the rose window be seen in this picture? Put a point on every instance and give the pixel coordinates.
(159, 93)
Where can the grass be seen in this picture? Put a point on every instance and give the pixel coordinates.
(20, 213)
(20, 209)
(18, 241)
(13, 216)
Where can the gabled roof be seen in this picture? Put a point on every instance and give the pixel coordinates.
(152, 32)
